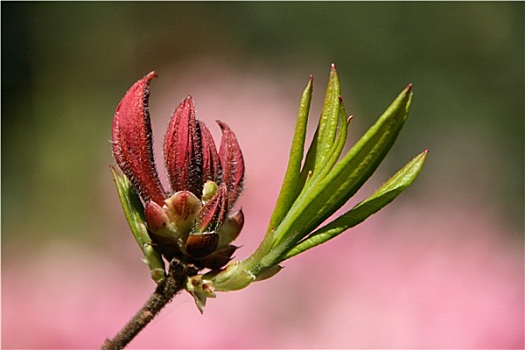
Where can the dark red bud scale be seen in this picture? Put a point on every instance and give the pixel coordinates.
(213, 213)
(199, 246)
(156, 217)
(232, 163)
(219, 258)
(133, 141)
(210, 158)
(182, 149)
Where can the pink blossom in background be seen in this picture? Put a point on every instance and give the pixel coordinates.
(421, 273)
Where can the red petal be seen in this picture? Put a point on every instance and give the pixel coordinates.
(133, 142)
(232, 163)
(182, 150)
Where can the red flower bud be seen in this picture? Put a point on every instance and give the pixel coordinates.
(193, 219)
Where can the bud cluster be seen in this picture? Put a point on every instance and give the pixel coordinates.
(192, 221)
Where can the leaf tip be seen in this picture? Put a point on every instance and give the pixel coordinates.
(422, 157)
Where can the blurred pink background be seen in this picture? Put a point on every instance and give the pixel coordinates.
(435, 269)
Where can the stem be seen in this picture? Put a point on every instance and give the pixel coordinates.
(164, 293)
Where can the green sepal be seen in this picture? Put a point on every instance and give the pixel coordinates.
(383, 196)
(134, 213)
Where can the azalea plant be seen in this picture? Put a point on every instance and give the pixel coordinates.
(190, 227)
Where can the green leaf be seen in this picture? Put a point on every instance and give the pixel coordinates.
(314, 206)
(334, 152)
(309, 161)
(329, 119)
(322, 154)
(383, 196)
(322, 143)
(134, 213)
(289, 190)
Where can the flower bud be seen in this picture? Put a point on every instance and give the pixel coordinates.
(192, 221)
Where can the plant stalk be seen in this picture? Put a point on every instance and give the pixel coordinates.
(164, 293)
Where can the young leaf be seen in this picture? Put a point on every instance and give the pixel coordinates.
(314, 206)
(334, 152)
(383, 196)
(291, 179)
(134, 213)
(320, 148)
(329, 119)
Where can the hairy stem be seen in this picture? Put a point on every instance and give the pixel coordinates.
(164, 293)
